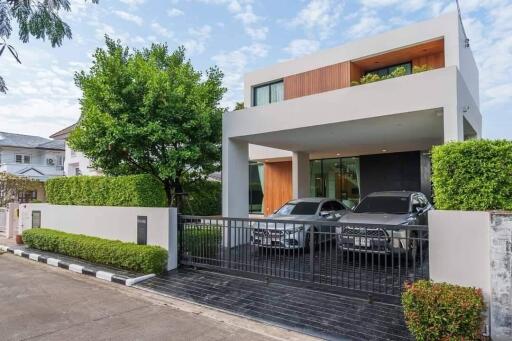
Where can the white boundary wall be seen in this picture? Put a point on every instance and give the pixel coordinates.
(475, 249)
(115, 223)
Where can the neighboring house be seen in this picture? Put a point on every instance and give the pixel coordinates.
(31, 156)
(307, 130)
(75, 162)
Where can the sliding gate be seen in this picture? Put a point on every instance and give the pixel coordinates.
(364, 257)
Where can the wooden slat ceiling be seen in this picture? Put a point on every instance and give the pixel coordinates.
(401, 55)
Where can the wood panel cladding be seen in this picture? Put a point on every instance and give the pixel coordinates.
(278, 185)
(433, 61)
(327, 78)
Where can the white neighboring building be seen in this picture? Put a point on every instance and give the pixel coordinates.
(308, 131)
(31, 156)
(75, 162)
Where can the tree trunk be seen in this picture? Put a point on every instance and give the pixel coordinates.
(168, 192)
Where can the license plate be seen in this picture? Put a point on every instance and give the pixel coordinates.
(361, 241)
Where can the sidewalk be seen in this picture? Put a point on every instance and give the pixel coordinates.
(46, 303)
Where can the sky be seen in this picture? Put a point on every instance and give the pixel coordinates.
(239, 36)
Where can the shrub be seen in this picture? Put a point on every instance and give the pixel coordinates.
(473, 175)
(132, 190)
(204, 198)
(441, 311)
(373, 77)
(202, 242)
(421, 68)
(130, 256)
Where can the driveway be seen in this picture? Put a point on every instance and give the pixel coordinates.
(44, 303)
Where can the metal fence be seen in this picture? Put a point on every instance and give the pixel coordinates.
(364, 257)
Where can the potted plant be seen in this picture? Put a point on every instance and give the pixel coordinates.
(19, 239)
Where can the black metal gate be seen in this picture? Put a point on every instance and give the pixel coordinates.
(365, 257)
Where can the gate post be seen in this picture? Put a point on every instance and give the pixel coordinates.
(312, 253)
(172, 239)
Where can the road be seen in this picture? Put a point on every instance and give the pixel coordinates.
(38, 302)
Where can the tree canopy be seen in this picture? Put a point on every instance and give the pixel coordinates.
(149, 111)
(39, 19)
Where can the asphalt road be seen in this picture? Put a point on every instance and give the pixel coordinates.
(38, 302)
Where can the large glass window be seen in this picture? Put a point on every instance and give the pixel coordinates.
(335, 178)
(385, 71)
(268, 93)
(256, 182)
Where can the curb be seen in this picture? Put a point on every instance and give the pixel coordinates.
(104, 275)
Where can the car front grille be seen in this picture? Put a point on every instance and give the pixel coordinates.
(362, 232)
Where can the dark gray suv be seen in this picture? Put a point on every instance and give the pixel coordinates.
(383, 208)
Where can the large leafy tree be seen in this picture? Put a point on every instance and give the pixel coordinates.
(39, 19)
(149, 111)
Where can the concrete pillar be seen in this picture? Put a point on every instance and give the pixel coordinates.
(11, 223)
(235, 178)
(300, 175)
(453, 123)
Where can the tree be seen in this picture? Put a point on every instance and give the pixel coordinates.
(39, 19)
(149, 111)
(11, 185)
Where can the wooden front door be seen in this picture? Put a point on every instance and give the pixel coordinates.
(278, 185)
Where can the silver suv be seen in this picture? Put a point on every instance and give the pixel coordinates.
(287, 227)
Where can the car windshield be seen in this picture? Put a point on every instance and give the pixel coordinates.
(390, 205)
(300, 208)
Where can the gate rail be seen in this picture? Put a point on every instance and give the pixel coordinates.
(372, 258)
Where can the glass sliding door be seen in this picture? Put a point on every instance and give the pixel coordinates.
(316, 178)
(335, 178)
(256, 182)
(332, 176)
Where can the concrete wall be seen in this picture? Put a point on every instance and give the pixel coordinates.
(115, 223)
(475, 249)
(459, 248)
(501, 276)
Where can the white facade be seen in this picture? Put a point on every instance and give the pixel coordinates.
(409, 113)
(78, 164)
(38, 164)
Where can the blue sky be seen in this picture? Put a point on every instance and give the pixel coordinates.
(240, 36)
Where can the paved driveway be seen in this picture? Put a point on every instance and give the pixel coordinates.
(43, 303)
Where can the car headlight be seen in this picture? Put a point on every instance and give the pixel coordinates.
(297, 228)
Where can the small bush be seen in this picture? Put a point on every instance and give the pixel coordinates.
(473, 175)
(200, 241)
(133, 190)
(441, 311)
(130, 256)
(204, 198)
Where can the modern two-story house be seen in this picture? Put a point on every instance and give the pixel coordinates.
(34, 157)
(319, 126)
(75, 162)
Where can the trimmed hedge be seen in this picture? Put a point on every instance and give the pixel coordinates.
(132, 190)
(441, 311)
(204, 198)
(473, 175)
(130, 256)
(204, 242)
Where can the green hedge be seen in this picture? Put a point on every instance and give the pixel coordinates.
(441, 311)
(130, 256)
(473, 175)
(204, 198)
(201, 241)
(132, 190)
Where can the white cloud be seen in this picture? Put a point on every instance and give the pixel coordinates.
(234, 64)
(200, 36)
(300, 47)
(319, 16)
(161, 30)
(174, 12)
(133, 3)
(367, 24)
(243, 11)
(129, 17)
